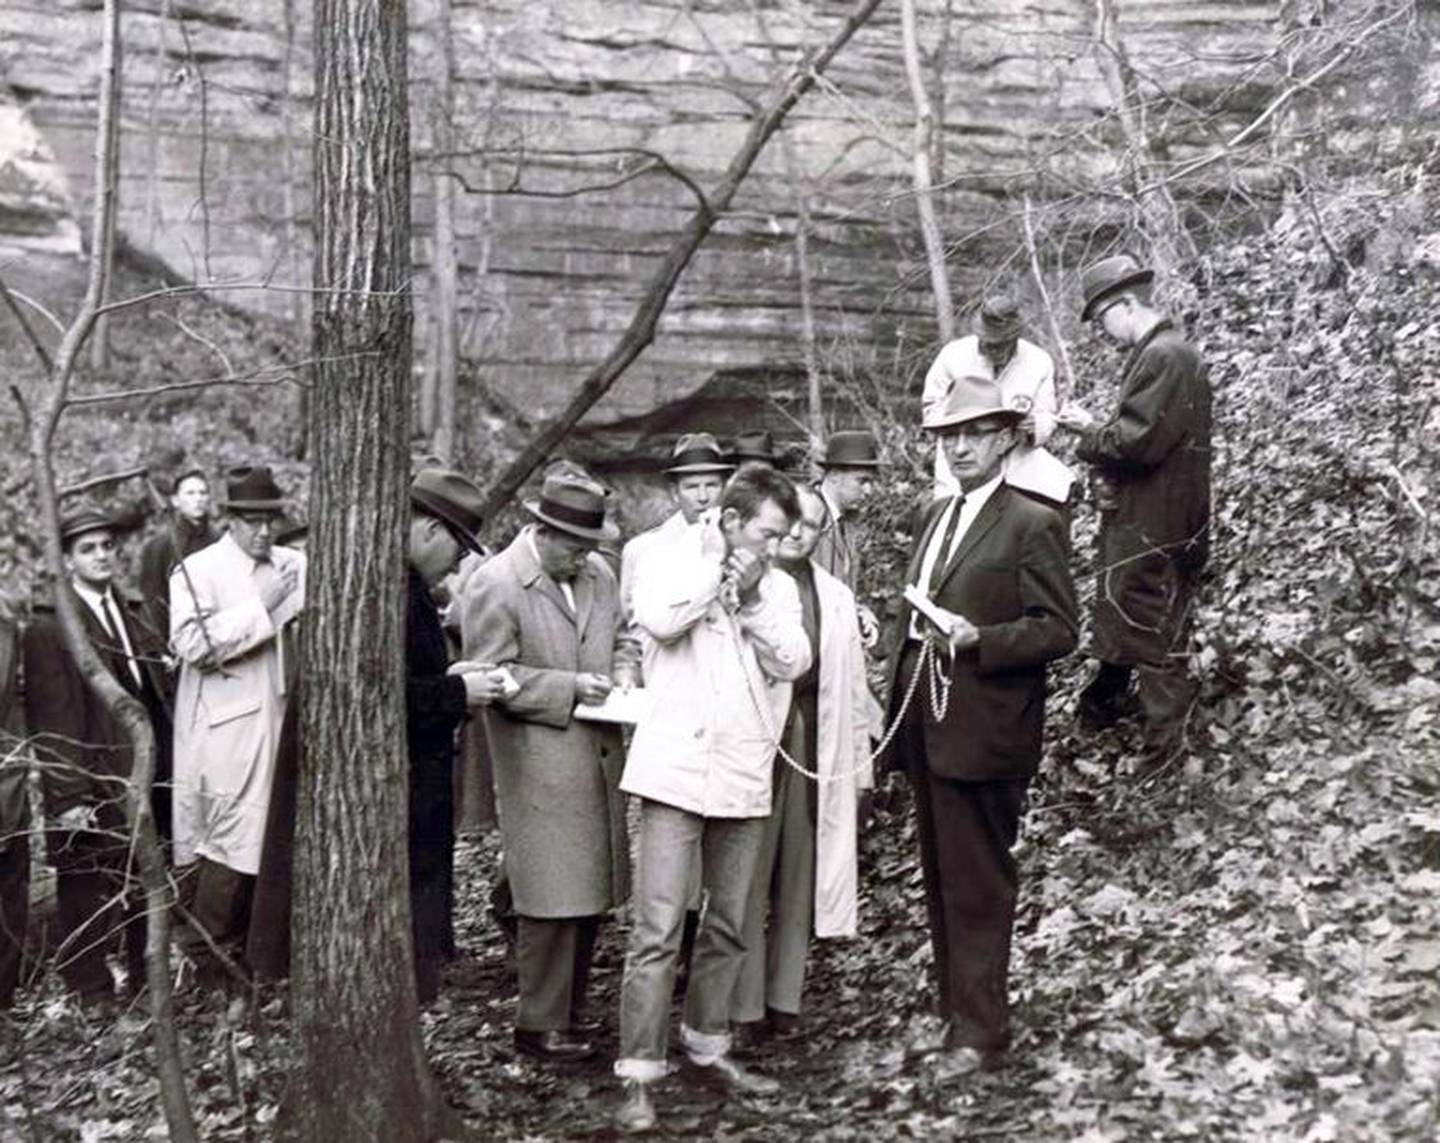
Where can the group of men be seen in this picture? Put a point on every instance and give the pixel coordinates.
(719, 680)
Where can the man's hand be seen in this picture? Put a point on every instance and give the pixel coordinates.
(1073, 416)
(627, 677)
(712, 540)
(953, 631)
(277, 587)
(484, 682)
(1027, 428)
(591, 688)
(869, 626)
(745, 568)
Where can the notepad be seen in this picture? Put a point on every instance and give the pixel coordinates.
(628, 706)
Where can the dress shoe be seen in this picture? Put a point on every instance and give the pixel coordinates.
(553, 1045)
(749, 1037)
(784, 1026)
(635, 1112)
(730, 1073)
(930, 1037)
(586, 1029)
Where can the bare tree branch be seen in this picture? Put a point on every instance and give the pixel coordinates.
(278, 375)
(25, 327)
(655, 161)
(102, 481)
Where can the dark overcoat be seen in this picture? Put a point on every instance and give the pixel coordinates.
(1155, 452)
(1010, 576)
(562, 817)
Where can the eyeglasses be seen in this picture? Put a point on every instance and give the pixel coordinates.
(256, 520)
(1097, 318)
(975, 430)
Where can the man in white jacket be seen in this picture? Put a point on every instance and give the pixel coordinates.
(808, 870)
(729, 639)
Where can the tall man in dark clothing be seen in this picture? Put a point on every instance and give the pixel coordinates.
(187, 530)
(445, 513)
(994, 564)
(85, 759)
(1152, 463)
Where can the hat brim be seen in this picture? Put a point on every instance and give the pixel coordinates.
(256, 505)
(974, 413)
(693, 469)
(850, 463)
(606, 531)
(442, 512)
(1139, 277)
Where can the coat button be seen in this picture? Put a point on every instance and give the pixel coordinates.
(699, 732)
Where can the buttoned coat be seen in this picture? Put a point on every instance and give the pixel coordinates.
(561, 815)
(1010, 576)
(229, 703)
(1155, 452)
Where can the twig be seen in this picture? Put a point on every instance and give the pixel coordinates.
(40, 351)
(279, 374)
(1050, 318)
(1393, 471)
(205, 341)
(101, 481)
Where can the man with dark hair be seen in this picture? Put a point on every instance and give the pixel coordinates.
(728, 639)
(444, 517)
(989, 603)
(187, 529)
(848, 468)
(1151, 460)
(85, 758)
(230, 606)
(546, 613)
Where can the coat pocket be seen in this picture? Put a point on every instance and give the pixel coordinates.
(231, 711)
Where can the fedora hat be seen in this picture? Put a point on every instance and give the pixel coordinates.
(968, 399)
(452, 499)
(851, 448)
(1107, 277)
(252, 488)
(573, 505)
(697, 452)
(999, 318)
(754, 444)
(87, 517)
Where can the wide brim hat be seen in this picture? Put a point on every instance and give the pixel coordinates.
(851, 448)
(453, 499)
(573, 505)
(89, 517)
(697, 452)
(756, 445)
(252, 488)
(969, 398)
(1108, 277)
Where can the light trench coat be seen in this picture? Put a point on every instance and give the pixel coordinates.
(842, 750)
(718, 684)
(230, 701)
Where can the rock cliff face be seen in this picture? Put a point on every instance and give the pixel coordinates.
(560, 101)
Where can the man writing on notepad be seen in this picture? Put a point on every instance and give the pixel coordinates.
(546, 610)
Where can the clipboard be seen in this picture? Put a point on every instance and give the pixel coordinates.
(621, 705)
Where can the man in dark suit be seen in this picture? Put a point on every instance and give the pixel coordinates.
(85, 759)
(968, 683)
(1151, 459)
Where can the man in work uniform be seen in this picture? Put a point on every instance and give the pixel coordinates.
(1151, 459)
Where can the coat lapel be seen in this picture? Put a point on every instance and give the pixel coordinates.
(975, 533)
(533, 577)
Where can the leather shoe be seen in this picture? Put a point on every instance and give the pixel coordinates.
(553, 1045)
(635, 1113)
(784, 1026)
(730, 1073)
(748, 1038)
(930, 1037)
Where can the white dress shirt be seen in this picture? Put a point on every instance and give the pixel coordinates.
(969, 508)
(95, 601)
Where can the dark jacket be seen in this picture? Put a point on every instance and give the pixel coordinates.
(434, 701)
(1010, 576)
(160, 556)
(83, 753)
(14, 802)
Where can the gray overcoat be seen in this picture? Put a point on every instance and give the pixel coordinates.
(562, 817)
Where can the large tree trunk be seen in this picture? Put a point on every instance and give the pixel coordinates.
(441, 427)
(362, 1070)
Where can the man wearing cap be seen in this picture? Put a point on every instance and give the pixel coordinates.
(1026, 376)
(754, 446)
(546, 612)
(1151, 459)
(848, 467)
(729, 639)
(995, 564)
(697, 473)
(85, 758)
(230, 605)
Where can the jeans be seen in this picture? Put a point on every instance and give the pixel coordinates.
(672, 843)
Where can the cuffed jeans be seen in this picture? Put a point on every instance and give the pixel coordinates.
(672, 843)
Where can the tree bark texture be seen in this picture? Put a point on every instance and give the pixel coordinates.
(923, 149)
(641, 330)
(362, 1069)
(441, 426)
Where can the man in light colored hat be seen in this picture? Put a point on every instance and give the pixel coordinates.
(697, 472)
(84, 755)
(848, 466)
(230, 607)
(546, 612)
(1151, 460)
(439, 695)
(1026, 376)
(994, 564)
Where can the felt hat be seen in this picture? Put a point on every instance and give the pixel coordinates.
(851, 448)
(754, 444)
(573, 505)
(697, 452)
(452, 499)
(999, 318)
(252, 488)
(1108, 277)
(88, 517)
(968, 399)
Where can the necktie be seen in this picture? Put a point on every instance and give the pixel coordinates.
(942, 556)
(112, 625)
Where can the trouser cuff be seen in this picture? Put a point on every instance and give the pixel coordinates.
(646, 1071)
(704, 1048)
